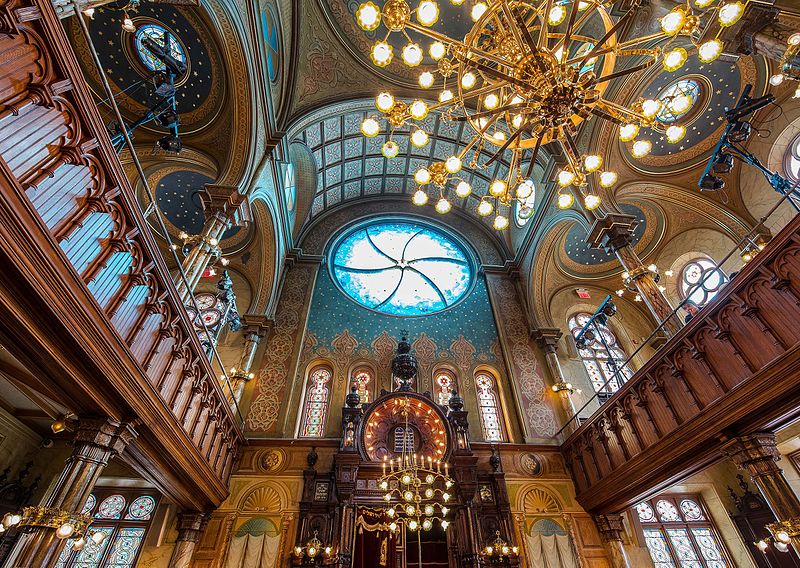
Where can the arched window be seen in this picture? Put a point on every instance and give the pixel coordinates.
(362, 379)
(791, 163)
(693, 274)
(123, 516)
(678, 533)
(489, 408)
(316, 404)
(443, 383)
(601, 356)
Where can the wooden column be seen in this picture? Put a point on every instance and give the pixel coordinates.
(547, 339)
(758, 455)
(614, 233)
(256, 329)
(96, 442)
(611, 530)
(190, 527)
(222, 206)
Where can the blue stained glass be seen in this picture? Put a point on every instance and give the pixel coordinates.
(669, 96)
(161, 36)
(91, 554)
(126, 545)
(402, 269)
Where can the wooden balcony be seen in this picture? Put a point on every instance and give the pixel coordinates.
(734, 369)
(86, 300)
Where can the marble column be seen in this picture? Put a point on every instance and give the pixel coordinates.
(547, 339)
(256, 329)
(190, 527)
(614, 233)
(223, 206)
(611, 530)
(96, 442)
(758, 455)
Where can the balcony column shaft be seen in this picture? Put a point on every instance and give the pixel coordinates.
(547, 339)
(190, 526)
(199, 257)
(611, 530)
(757, 454)
(96, 442)
(256, 328)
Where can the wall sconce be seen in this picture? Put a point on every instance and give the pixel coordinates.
(63, 422)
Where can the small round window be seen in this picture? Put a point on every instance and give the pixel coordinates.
(164, 38)
(401, 268)
(524, 208)
(701, 280)
(678, 100)
(792, 161)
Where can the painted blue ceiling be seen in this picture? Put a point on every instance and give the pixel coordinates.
(579, 251)
(178, 197)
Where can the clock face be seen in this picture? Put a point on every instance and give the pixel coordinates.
(205, 301)
(211, 317)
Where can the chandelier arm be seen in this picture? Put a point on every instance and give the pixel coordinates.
(568, 34)
(486, 113)
(468, 147)
(476, 93)
(612, 30)
(624, 72)
(542, 40)
(643, 39)
(495, 73)
(605, 116)
(571, 151)
(453, 42)
(613, 108)
(502, 148)
(526, 34)
(533, 157)
(578, 24)
(515, 27)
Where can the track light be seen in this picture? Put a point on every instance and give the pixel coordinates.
(170, 143)
(711, 183)
(722, 164)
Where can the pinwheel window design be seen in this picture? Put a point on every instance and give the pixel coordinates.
(402, 269)
(161, 36)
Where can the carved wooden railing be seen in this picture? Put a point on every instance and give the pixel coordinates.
(73, 234)
(734, 369)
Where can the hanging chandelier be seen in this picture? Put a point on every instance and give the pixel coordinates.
(418, 488)
(523, 76)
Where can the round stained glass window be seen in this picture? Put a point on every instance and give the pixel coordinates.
(678, 100)
(110, 507)
(401, 268)
(701, 280)
(141, 508)
(164, 38)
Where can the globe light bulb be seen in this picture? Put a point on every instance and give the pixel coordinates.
(525, 189)
(709, 51)
(382, 54)
(491, 101)
(437, 50)
(628, 132)
(500, 222)
(384, 102)
(419, 138)
(429, 510)
(730, 13)
(390, 149)
(565, 200)
(703, 3)
(452, 165)
(445, 510)
(583, 6)
(591, 202)
(517, 120)
(499, 136)
(413, 525)
(428, 495)
(312, 551)
(392, 526)
(65, 531)
(776, 79)
(79, 544)
(680, 104)
(556, 15)
(443, 206)
(641, 148)
(463, 189)
(427, 12)
(485, 208)
(422, 177)
(445, 496)
(794, 39)
(592, 163)
(675, 59)
(427, 524)
(498, 188)
(408, 495)
(446, 95)
(607, 179)
(128, 25)
(445, 524)
(418, 109)
(504, 549)
(783, 536)
(410, 510)
(370, 127)
(387, 497)
(781, 547)
(412, 54)
(384, 485)
(426, 80)
(675, 133)
(391, 512)
(368, 16)
(650, 107)
(565, 178)
(468, 80)
(673, 22)
(98, 537)
(478, 10)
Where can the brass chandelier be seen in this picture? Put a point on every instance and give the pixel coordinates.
(526, 75)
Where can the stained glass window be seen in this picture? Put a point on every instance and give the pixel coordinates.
(792, 161)
(124, 534)
(489, 408)
(677, 100)
(524, 208)
(91, 501)
(272, 42)
(601, 356)
(401, 268)
(162, 37)
(362, 380)
(444, 383)
(316, 404)
(403, 436)
(693, 274)
(681, 536)
(110, 507)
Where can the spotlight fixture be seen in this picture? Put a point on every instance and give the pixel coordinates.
(722, 164)
(170, 143)
(710, 182)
